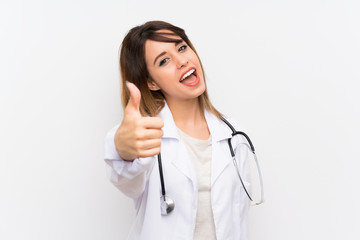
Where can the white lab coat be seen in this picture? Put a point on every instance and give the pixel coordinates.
(140, 180)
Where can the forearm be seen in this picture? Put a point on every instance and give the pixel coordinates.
(130, 177)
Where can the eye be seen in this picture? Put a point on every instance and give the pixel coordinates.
(162, 62)
(182, 48)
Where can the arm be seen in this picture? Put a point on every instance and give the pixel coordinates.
(128, 176)
(131, 146)
(242, 154)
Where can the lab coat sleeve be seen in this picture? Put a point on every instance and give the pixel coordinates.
(129, 177)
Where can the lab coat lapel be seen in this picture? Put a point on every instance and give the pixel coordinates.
(179, 157)
(220, 157)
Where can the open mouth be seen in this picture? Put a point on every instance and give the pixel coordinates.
(190, 78)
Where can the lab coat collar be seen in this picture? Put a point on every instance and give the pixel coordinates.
(170, 128)
(218, 129)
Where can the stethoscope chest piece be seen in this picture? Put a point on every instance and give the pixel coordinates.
(167, 205)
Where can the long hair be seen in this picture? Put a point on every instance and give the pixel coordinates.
(133, 66)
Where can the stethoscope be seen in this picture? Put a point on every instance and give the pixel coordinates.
(167, 205)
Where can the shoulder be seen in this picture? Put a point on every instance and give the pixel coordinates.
(222, 128)
(237, 125)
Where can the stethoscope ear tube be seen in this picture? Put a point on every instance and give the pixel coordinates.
(252, 148)
(167, 205)
(253, 203)
(261, 182)
(237, 170)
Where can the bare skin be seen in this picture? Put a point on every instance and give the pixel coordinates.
(137, 136)
(190, 118)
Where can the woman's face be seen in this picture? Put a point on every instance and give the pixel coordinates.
(174, 69)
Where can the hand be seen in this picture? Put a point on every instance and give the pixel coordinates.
(137, 136)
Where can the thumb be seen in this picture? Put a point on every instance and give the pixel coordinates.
(133, 105)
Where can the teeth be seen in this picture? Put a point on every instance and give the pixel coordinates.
(187, 74)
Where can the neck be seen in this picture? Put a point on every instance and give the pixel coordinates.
(190, 117)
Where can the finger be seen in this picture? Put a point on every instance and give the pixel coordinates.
(149, 144)
(152, 122)
(153, 134)
(149, 152)
(149, 134)
(133, 105)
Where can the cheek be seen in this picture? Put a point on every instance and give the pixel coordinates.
(155, 74)
(193, 56)
(163, 75)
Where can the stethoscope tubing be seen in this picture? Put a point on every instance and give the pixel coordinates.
(251, 146)
(163, 192)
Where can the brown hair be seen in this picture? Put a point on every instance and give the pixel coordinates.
(133, 66)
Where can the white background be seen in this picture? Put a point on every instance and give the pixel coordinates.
(287, 70)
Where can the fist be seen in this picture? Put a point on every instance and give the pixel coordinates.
(137, 136)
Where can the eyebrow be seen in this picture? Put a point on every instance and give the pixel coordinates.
(163, 53)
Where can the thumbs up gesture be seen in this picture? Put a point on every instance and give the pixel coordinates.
(137, 136)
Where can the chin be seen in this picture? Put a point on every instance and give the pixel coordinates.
(200, 91)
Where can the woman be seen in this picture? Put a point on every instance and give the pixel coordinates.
(166, 105)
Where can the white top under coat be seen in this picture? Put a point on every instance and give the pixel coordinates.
(200, 153)
(140, 180)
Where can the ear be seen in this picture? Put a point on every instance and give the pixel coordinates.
(152, 85)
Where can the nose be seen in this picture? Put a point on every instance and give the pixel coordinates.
(181, 61)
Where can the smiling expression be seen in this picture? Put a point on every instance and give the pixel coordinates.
(174, 68)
